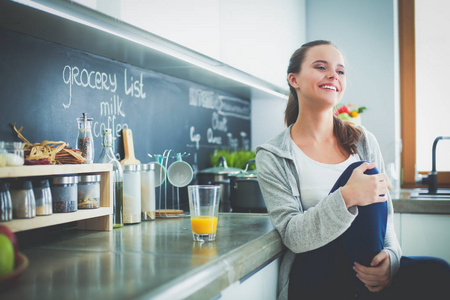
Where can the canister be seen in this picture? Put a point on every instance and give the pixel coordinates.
(2, 154)
(22, 197)
(148, 192)
(43, 197)
(89, 191)
(14, 155)
(64, 193)
(6, 211)
(131, 194)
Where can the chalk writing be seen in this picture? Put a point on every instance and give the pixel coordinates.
(213, 139)
(113, 107)
(135, 87)
(234, 107)
(91, 79)
(203, 98)
(218, 122)
(195, 137)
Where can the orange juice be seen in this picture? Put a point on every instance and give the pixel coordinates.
(204, 225)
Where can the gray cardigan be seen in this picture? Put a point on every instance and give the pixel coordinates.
(304, 231)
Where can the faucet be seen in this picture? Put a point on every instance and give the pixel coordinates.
(431, 179)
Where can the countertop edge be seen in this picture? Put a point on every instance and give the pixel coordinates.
(220, 273)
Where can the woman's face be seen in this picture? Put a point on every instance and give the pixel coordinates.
(321, 81)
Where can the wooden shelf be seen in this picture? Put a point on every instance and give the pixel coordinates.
(92, 219)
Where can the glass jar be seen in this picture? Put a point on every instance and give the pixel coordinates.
(85, 143)
(6, 211)
(131, 194)
(43, 197)
(148, 192)
(89, 191)
(22, 197)
(2, 154)
(14, 154)
(64, 193)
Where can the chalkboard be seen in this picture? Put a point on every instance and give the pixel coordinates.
(46, 86)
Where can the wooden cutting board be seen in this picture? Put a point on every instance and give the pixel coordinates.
(129, 148)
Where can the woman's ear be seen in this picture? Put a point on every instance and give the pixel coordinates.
(293, 80)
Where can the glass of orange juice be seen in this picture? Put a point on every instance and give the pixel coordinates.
(204, 209)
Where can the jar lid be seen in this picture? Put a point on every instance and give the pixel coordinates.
(132, 168)
(64, 179)
(41, 183)
(3, 187)
(13, 145)
(21, 185)
(147, 167)
(89, 178)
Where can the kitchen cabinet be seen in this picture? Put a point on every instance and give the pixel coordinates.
(424, 234)
(95, 219)
(261, 285)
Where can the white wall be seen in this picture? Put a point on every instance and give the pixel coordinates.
(365, 31)
(255, 36)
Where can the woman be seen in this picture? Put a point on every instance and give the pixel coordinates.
(324, 194)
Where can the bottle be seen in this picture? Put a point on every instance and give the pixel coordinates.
(107, 157)
(85, 143)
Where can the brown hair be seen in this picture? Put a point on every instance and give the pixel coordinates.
(346, 134)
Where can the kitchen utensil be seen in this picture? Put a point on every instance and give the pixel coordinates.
(245, 194)
(129, 148)
(180, 173)
(219, 176)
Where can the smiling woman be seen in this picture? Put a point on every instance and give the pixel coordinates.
(326, 192)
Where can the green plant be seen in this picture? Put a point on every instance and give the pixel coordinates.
(234, 159)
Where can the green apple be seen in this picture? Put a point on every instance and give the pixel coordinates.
(6, 256)
(12, 237)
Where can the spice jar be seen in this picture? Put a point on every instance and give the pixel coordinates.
(148, 192)
(85, 143)
(89, 191)
(64, 193)
(22, 197)
(2, 154)
(131, 194)
(14, 154)
(43, 197)
(6, 211)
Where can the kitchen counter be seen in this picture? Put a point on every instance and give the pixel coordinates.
(155, 259)
(404, 204)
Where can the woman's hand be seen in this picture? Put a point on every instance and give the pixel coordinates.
(378, 275)
(362, 189)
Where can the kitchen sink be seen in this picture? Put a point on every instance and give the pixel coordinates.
(443, 194)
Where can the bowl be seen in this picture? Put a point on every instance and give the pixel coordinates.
(20, 266)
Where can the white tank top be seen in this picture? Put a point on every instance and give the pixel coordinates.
(317, 179)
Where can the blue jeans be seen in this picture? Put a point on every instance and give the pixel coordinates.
(326, 272)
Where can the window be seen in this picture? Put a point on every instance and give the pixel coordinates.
(422, 92)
